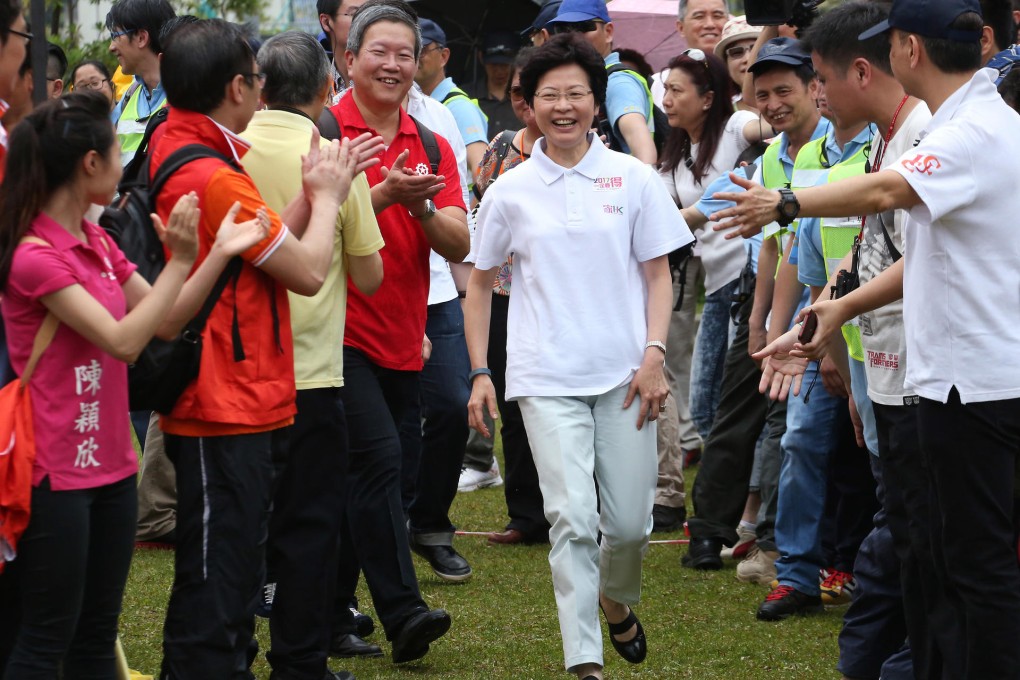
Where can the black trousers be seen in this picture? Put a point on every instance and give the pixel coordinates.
(972, 453)
(224, 485)
(304, 532)
(73, 563)
(523, 495)
(433, 451)
(720, 490)
(377, 399)
(850, 502)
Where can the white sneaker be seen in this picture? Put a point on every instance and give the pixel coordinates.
(745, 537)
(472, 480)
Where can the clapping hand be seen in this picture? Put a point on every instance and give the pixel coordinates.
(234, 238)
(180, 234)
(405, 186)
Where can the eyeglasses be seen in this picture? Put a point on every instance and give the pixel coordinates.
(737, 51)
(516, 93)
(575, 27)
(696, 54)
(574, 96)
(261, 77)
(90, 84)
(27, 36)
(116, 34)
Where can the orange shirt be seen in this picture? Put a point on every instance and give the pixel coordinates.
(247, 387)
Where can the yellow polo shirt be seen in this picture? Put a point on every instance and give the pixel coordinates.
(278, 139)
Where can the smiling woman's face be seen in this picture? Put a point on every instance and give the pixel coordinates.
(565, 107)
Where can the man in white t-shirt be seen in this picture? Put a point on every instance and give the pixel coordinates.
(960, 309)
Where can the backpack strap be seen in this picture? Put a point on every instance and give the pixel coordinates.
(177, 160)
(47, 331)
(431, 144)
(136, 172)
(503, 144)
(328, 124)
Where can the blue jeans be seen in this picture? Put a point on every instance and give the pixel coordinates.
(433, 452)
(812, 431)
(714, 336)
(859, 387)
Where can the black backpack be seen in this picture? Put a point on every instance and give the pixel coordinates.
(164, 368)
(329, 128)
(659, 117)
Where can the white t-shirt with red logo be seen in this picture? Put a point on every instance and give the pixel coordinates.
(578, 313)
(882, 335)
(961, 284)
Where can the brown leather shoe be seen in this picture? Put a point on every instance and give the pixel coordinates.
(507, 537)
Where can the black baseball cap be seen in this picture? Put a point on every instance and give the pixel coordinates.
(499, 48)
(545, 15)
(928, 18)
(786, 51)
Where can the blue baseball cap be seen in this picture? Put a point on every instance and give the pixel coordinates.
(431, 33)
(928, 18)
(786, 51)
(574, 11)
(545, 15)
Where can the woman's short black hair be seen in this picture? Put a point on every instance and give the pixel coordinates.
(200, 59)
(561, 50)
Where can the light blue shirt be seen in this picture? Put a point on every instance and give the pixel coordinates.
(624, 94)
(470, 119)
(148, 103)
(807, 245)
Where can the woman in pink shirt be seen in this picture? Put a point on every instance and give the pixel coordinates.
(74, 557)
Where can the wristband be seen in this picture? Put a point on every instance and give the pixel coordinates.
(656, 344)
(477, 372)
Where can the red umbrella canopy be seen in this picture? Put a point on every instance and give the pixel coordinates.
(648, 26)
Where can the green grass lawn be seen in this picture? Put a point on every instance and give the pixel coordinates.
(699, 624)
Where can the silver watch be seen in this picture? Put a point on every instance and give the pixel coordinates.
(430, 211)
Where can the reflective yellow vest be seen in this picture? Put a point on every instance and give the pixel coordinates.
(130, 126)
(838, 233)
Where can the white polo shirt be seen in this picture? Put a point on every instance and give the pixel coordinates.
(961, 286)
(578, 313)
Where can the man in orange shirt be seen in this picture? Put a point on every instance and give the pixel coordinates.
(231, 422)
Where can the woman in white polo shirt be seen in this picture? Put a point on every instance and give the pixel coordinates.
(590, 230)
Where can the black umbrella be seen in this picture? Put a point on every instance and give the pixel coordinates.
(466, 21)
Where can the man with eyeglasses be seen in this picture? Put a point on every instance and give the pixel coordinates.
(335, 22)
(134, 27)
(628, 99)
(231, 424)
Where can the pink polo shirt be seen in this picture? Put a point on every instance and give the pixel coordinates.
(79, 393)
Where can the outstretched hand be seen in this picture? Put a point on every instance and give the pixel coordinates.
(233, 238)
(780, 372)
(831, 318)
(755, 207)
(180, 233)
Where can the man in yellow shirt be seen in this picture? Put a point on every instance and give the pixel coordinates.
(309, 498)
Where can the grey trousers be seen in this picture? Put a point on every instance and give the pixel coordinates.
(157, 487)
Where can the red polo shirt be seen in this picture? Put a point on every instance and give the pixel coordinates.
(231, 395)
(389, 326)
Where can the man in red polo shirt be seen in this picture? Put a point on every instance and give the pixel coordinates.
(230, 423)
(383, 339)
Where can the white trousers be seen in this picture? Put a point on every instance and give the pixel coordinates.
(576, 440)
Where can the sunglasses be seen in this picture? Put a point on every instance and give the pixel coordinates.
(737, 51)
(516, 93)
(576, 27)
(696, 54)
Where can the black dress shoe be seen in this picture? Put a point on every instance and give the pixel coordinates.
(363, 623)
(339, 675)
(350, 645)
(635, 649)
(665, 518)
(703, 553)
(417, 633)
(446, 562)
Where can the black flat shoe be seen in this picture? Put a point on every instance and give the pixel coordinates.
(633, 650)
(350, 645)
